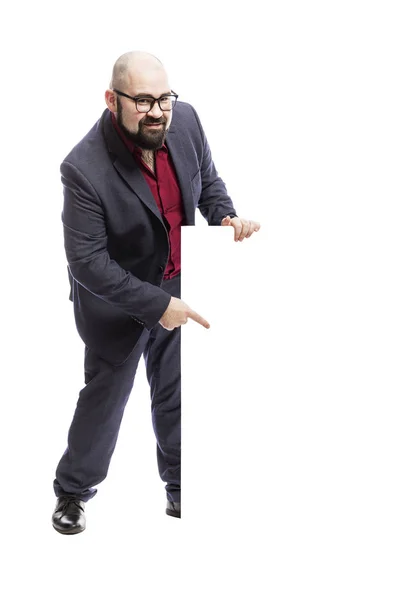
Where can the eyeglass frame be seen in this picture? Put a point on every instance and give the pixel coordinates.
(153, 100)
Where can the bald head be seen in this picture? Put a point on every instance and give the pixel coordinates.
(132, 65)
(140, 74)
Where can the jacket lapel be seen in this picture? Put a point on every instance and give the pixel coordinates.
(126, 165)
(177, 152)
(136, 181)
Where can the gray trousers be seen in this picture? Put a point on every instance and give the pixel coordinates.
(95, 426)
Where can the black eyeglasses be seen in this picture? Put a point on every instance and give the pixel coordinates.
(145, 104)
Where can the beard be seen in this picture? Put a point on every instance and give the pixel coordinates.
(147, 139)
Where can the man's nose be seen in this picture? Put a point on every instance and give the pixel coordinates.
(156, 111)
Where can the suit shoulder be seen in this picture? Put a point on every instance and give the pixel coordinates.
(183, 107)
(186, 118)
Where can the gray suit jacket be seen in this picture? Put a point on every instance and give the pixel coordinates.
(116, 242)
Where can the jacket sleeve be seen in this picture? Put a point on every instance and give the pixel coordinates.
(214, 203)
(85, 240)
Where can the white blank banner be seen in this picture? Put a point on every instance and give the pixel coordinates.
(290, 424)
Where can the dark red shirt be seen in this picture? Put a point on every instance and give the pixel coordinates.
(167, 194)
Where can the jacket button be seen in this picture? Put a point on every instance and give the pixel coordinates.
(161, 268)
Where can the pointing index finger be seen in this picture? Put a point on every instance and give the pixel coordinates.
(199, 319)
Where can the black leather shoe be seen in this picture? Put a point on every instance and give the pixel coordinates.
(69, 515)
(173, 509)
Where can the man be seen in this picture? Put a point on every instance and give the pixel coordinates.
(129, 185)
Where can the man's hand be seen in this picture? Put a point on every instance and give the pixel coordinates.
(177, 314)
(243, 228)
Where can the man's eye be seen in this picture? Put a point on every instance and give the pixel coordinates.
(143, 101)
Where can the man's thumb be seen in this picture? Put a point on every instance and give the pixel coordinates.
(226, 221)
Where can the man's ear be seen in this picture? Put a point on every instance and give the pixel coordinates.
(111, 100)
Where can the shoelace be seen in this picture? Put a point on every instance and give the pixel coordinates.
(67, 500)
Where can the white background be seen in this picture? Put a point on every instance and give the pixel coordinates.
(290, 400)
